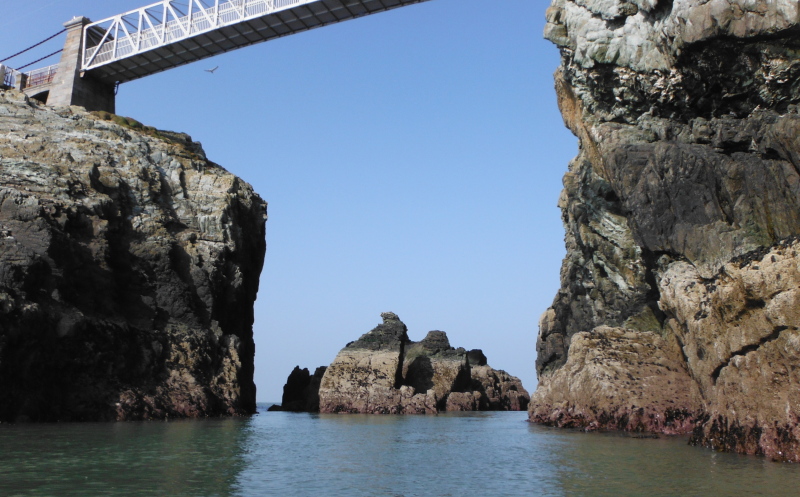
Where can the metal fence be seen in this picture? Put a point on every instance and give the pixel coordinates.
(41, 77)
(37, 77)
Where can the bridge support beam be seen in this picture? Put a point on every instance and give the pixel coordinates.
(72, 88)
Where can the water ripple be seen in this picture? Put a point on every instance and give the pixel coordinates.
(285, 454)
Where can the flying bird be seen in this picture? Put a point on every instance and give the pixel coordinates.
(212, 70)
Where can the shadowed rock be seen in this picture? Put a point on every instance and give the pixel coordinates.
(301, 392)
(129, 265)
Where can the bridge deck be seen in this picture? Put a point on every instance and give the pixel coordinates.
(159, 37)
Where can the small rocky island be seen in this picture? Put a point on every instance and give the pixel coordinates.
(384, 372)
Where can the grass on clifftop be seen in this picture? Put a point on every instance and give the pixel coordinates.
(128, 122)
(181, 139)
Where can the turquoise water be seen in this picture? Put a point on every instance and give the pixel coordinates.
(284, 454)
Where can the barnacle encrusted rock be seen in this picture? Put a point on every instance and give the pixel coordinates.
(687, 116)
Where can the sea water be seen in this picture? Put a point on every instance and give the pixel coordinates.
(286, 454)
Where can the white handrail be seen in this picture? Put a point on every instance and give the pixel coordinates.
(162, 23)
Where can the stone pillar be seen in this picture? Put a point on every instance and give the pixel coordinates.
(20, 80)
(70, 86)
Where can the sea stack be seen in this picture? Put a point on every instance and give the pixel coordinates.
(678, 308)
(129, 265)
(301, 391)
(384, 372)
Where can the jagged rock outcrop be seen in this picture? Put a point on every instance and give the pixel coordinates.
(687, 117)
(384, 372)
(129, 265)
(301, 391)
(499, 391)
(367, 375)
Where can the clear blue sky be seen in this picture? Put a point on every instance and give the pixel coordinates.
(412, 161)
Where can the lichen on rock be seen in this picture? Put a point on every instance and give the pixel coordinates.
(129, 264)
(688, 123)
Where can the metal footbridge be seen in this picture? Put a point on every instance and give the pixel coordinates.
(97, 56)
(160, 36)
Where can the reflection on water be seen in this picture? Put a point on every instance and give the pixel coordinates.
(618, 464)
(148, 458)
(284, 454)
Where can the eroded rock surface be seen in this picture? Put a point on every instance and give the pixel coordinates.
(366, 375)
(129, 265)
(619, 379)
(384, 372)
(739, 331)
(689, 155)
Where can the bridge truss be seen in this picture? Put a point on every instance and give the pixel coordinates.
(171, 33)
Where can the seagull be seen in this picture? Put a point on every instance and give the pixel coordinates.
(212, 70)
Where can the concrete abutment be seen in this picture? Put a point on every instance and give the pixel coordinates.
(71, 87)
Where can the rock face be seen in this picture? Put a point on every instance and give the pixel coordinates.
(367, 375)
(128, 269)
(384, 372)
(676, 310)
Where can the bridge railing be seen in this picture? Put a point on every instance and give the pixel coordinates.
(32, 79)
(164, 22)
(41, 77)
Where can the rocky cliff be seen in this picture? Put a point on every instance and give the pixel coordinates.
(128, 269)
(384, 372)
(677, 310)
